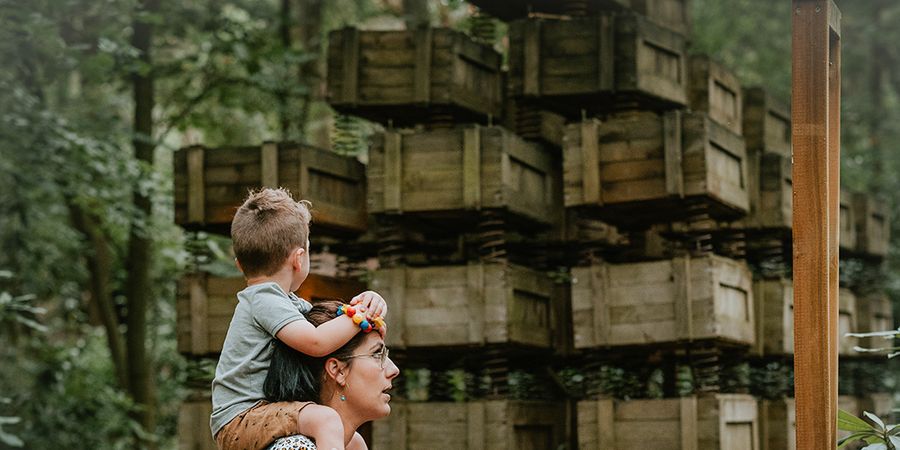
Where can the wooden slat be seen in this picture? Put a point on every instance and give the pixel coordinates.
(350, 66)
(606, 35)
(815, 117)
(393, 166)
(606, 424)
(532, 57)
(475, 424)
(472, 168)
(672, 151)
(590, 163)
(688, 408)
(196, 201)
(422, 79)
(199, 315)
(269, 165)
(600, 285)
(475, 302)
(684, 315)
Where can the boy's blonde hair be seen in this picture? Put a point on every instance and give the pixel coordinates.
(267, 228)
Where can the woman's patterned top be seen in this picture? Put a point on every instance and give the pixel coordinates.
(297, 442)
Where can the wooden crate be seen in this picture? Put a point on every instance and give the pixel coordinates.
(771, 189)
(205, 304)
(475, 425)
(767, 123)
(719, 421)
(534, 123)
(681, 299)
(847, 322)
(715, 90)
(443, 173)
(193, 422)
(875, 314)
(873, 229)
(210, 184)
(673, 14)
(595, 63)
(469, 305)
(778, 424)
(399, 76)
(642, 166)
(848, 238)
(774, 303)
(881, 404)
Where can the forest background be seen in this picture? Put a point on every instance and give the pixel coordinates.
(95, 95)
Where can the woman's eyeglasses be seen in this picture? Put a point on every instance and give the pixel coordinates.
(380, 355)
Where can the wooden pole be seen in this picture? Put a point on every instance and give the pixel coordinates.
(815, 112)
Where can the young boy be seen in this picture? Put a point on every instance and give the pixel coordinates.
(270, 234)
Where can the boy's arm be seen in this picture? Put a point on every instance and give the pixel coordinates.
(318, 341)
(323, 424)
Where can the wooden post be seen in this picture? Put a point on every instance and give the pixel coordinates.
(815, 115)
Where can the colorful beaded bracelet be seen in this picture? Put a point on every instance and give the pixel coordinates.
(360, 319)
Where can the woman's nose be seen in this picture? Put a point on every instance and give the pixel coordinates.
(390, 369)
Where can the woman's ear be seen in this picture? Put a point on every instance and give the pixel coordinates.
(336, 370)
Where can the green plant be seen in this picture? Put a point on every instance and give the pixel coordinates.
(876, 434)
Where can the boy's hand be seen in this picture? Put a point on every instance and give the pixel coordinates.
(373, 303)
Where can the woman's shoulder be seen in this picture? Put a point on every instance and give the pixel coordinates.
(297, 442)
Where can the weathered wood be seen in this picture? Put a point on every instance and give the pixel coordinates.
(205, 304)
(674, 14)
(398, 75)
(847, 322)
(848, 234)
(874, 313)
(774, 303)
(777, 424)
(715, 90)
(643, 162)
(469, 305)
(662, 301)
(533, 122)
(474, 425)
(444, 173)
(815, 135)
(767, 123)
(872, 225)
(771, 192)
(587, 63)
(710, 422)
(333, 183)
(193, 422)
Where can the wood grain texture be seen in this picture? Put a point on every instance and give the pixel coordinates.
(815, 137)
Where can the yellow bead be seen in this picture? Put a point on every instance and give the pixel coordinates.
(357, 318)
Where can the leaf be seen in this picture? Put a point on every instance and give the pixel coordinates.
(849, 422)
(895, 441)
(855, 437)
(894, 429)
(878, 446)
(875, 419)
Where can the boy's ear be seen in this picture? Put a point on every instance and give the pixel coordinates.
(297, 259)
(238, 265)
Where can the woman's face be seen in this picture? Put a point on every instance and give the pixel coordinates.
(371, 374)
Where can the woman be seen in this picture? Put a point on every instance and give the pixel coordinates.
(354, 380)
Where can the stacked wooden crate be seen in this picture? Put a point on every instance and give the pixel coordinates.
(210, 185)
(654, 137)
(441, 171)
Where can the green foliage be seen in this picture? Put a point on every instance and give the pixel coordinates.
(875, 433)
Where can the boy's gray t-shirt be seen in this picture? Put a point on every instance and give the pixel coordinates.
(262, 310)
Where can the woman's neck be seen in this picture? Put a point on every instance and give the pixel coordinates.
(349, 420)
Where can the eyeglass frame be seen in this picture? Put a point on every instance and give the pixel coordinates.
(382, 354)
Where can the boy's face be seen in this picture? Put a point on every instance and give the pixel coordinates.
(301, 267)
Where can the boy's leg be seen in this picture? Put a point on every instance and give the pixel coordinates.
(259, 426)
(324, 425)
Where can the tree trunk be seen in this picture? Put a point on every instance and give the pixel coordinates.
(138, 289)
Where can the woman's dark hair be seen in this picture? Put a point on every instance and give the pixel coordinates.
(294, 376)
